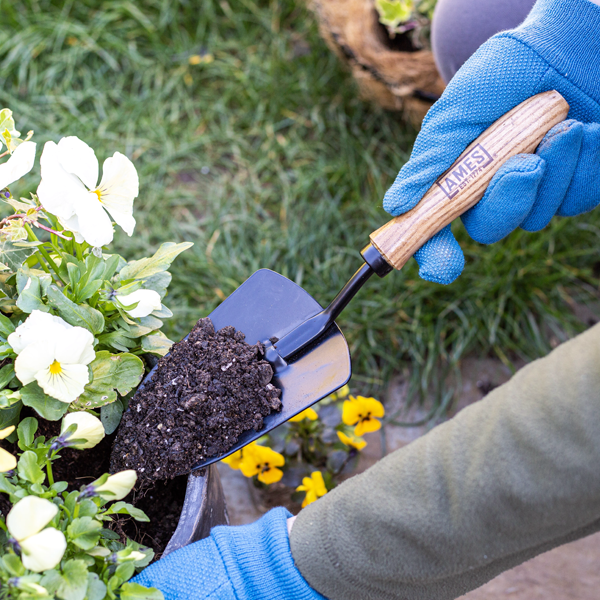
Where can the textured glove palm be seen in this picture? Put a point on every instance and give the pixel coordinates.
(251, 562)
(556, 48)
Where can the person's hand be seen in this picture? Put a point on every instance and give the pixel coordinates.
(556, 48)
(250, 562)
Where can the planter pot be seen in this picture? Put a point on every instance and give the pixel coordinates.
(204, 508)
(389, 72)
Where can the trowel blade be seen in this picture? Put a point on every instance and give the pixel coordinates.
(269, 305)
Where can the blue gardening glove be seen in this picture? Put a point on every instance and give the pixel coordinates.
(556, 48)
(251, 562)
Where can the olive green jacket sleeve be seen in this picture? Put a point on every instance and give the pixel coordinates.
(512, 476)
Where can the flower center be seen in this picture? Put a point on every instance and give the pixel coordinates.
(55, 368)
(99, 194)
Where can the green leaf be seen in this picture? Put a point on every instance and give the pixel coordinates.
(9, 397)
(87, 508)
(51, 581)
(161, 261)
(125, 571)
(13, 565)
(119, 340)
(110, 415)
(89, 290)
(26, 432)
(59, 486)
(79, 315)
(7, 373)
(30, 298)
(29, 469)
(159, 282)
(74, 581)
(121, 371)
(135, 591)
(84, 532)
(96, 589)
(10, 416)
(157, 343)
(111, 265)
(6, 326)
(123, 508)
(47, 407)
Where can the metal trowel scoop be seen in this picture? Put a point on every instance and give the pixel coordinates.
(308, 353)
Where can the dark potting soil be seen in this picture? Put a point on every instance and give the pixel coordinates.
(212, 387)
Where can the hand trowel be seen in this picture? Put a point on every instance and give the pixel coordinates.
(305, 347)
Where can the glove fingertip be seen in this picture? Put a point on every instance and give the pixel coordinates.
(441, 259)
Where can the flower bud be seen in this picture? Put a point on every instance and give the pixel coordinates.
(117, 486)
(89, 429)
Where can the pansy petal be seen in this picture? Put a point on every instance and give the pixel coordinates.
(270, 476)
(59, 191)
(75, 346)
(147, 302)
(118, 188)
(38, 326)
(29, 516)
(4, 433)
(94, 224)
(367, 426)
(72, 224)
(65, 386)
(33, 359)
(19, 164)
(7, 461)
(77, 158)
(44, 550)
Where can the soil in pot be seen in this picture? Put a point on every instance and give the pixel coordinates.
(162, 502)
(203, 395)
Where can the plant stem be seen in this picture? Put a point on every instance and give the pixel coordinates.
(49, 471)
(43, 252)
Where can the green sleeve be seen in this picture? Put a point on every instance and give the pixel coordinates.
(508, 478)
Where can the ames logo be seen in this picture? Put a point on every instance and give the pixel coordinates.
(457, 178)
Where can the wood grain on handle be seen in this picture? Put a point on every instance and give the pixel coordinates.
(464, 184)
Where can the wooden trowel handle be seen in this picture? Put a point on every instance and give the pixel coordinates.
(464, 184)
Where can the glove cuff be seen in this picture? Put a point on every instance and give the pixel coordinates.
(259, 561)
(566, 34)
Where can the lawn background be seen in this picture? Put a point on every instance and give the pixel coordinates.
(262, 155)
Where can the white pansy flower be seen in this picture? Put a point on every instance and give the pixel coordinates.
(41, 549)
(117, 486)
(19, 164)
(89, 429)
(53, 353)
(147, 302)
(69, 190)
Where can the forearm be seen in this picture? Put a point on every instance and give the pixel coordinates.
(509, 477)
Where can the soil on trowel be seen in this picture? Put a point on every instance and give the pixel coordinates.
(211, 388)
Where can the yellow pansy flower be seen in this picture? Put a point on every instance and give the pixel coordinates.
(233, 460)
(262, 461)
(351, 441)
(309, 413)
(314, 486)
(342, 392)
(7, 461)
(362, 412)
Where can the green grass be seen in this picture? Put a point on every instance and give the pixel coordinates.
(266, 158)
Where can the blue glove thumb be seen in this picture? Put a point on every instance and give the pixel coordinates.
(249, 562)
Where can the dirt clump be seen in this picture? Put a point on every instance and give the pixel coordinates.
(211, 388)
